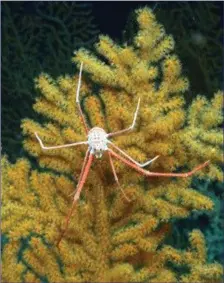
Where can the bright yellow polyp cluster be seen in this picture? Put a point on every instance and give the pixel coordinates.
(110, 239)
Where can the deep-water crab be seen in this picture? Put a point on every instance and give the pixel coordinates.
(98, 142)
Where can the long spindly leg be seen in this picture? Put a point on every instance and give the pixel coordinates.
(115, 176)
(78, 102)
(82, 171)
(154, 174)
(58, 146)
(132, 125)
(130, 158)
(77, 195)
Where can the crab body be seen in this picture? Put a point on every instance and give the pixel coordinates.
(97, 141)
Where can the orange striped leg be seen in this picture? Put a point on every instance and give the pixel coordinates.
(115, 176)
(83, 168)
(154, 174)
(77, 194)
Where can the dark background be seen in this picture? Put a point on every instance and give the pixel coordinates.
(111, 16)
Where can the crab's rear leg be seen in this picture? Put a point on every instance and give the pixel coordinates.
(115, 176)
(159, 174)
(77, 195)
(131, 159)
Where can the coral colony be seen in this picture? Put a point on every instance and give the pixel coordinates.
(117, 233)
(97, 144)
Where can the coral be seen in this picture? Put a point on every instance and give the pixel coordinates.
(37, 36)
(198, 33)
(180, 137)
(197, 30)
(210, 222)
(110, 239)
(203, 134)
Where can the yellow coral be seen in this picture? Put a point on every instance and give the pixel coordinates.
(110, 239)
(203, 133)
(96, 256)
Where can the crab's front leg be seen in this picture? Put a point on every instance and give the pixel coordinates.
(130, 128)
(78, 102)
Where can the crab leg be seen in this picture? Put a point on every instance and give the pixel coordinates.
(58, 146)
(132, 125)
(115, 176)
(77, 194)
(77, 99)
(83, 168)
(154, 174)
(130, 158)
